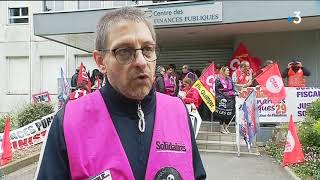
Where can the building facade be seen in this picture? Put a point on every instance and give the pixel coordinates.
(39, 37)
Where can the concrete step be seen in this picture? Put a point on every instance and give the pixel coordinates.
(224, 146)
(215, 136)
(215, 127)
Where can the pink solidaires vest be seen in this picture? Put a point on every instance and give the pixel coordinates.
(94, 147)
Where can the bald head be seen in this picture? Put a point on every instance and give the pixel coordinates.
(244, 66)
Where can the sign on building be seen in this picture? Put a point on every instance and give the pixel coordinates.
(186, 14)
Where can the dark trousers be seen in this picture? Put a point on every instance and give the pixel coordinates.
(204, 112)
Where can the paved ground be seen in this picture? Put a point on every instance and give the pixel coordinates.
(218, 166)
(26, 173)
(246, 167)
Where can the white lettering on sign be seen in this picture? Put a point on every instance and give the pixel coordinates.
(290, 143)
(274, 84)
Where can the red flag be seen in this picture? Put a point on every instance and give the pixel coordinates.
(242, 54)
(83, 77)
(293, 152)
(271, 83)
(6, 144)
(208, 78)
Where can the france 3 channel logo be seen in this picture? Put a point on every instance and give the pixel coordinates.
(296, 19)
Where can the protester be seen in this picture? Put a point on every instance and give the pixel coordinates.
(225, 99)
(125, 130)
(170, 81)
(296, 73)
(190, 95)
(242, 77)
(159, 82)
(186, 72)
(217, 69)
(96, 79)
(197, 72)
(74, 79)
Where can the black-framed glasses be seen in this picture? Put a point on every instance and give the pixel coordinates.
(127, 55)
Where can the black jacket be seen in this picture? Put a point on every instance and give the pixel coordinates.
(54, 160)
(160, 87)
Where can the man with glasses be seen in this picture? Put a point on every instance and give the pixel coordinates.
(125, 130)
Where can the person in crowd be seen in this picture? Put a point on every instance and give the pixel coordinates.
(74, 80)
(242, 77)
(198, 73)
(296, 72)
(177, 75)
(190, 95)
(186, 72)
(159, 82)
(124, 130)
(170, 81)
(225, 98)
(217, 69)
(96, 79)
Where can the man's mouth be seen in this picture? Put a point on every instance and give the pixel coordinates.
(143, 77)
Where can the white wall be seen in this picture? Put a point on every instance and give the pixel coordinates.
(284, 46)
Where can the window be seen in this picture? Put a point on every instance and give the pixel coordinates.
(18, 77)
(53, 5)
(18, 15)
(89, 4)
(50, 72)
(124, 3)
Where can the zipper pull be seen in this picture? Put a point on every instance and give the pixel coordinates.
(142, 123)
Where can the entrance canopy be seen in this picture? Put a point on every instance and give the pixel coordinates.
(186, 25)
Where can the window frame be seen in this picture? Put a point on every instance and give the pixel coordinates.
(18, 17)
(54, 6)
(101, 5)
(9, 91)
(137, 2)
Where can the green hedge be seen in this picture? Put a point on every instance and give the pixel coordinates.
(2, 122)
(32, 112)
(309, 129)
(26, 114)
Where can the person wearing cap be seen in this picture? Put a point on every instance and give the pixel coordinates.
(295, 73)
(125, 130)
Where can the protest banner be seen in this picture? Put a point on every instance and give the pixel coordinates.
(195, 118)
(205, 86)
(296, 102)
(30, 134)
(41, 97)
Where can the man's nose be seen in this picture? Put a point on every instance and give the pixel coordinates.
(140, 60)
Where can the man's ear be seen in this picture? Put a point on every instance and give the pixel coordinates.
(98, 57)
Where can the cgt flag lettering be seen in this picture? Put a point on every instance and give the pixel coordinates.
(293, 152)
(205, 86)
(242, 54)
(271, 83)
